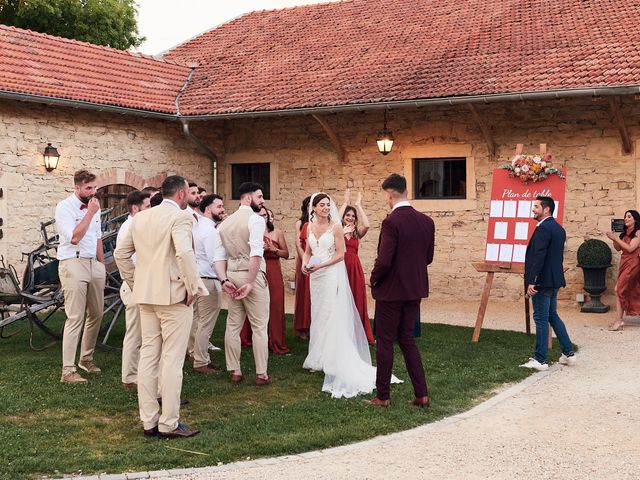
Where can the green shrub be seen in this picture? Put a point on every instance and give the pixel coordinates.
(594, 253)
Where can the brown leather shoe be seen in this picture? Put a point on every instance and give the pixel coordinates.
(181, 431)
(422, 402)
(376, 402)
(236, 379)
(207, 369)
(263, 381)
(132, 385)
(152, 432)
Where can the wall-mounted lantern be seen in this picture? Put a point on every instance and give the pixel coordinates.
(385, 138)
(51, 157)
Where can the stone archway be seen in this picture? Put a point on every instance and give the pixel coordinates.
(114, 196)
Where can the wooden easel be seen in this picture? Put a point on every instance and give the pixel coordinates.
(503, 267)
(492, 269)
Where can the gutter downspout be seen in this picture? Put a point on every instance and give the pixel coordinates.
(195, 140)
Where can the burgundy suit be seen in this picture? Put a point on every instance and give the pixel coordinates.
(399, 281)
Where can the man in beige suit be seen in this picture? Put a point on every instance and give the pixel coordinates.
(164, 283)
(242, 236)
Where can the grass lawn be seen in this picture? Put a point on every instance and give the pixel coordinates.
(47, 428)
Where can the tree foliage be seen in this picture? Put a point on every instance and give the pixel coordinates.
(104, 22)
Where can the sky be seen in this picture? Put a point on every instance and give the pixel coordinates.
(166, 23)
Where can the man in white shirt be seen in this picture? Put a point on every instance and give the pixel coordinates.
(193, 201)
(82, 274)
(209, 250)
(242, 236)
(137, 201)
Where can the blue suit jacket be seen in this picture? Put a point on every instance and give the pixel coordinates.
(545, 252)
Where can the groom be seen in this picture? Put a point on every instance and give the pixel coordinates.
(399, 281)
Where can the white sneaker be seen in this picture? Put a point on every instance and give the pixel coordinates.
(213, 348)
(564, 360)
(533, 363)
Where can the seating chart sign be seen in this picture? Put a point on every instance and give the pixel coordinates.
(511, 222)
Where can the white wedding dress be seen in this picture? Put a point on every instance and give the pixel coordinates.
(337, 343)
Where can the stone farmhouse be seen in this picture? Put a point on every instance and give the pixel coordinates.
(295, 98)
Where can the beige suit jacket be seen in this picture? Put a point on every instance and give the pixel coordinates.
(166, 269)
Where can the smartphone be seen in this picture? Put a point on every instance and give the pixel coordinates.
(617, 225)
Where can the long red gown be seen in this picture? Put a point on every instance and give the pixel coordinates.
(302, 309)
(628, 283)
(357, 283)
(277, 324)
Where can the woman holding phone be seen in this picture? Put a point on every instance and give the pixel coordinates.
(628, 284)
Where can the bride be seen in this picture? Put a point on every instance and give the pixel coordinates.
(338, 345)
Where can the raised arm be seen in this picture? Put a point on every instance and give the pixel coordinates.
(618, 244)
(345, 204)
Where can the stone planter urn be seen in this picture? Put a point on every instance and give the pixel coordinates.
(594, 257)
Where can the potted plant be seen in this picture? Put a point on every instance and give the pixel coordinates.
(594, 257)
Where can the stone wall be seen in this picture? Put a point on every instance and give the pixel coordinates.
(121, 149)
(580, 134)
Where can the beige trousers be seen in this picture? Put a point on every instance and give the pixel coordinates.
(255, 306)
(132, 337)
(165, 333)
(205, 316)
(82, 282)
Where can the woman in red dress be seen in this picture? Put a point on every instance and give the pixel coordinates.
(356, 225)
(302, 309)
(275, 248)
(628, 283)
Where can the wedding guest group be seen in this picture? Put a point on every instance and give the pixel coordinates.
(627, 288)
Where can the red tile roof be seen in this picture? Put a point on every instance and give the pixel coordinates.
(44, 65)
(346, 53)
(364, 51)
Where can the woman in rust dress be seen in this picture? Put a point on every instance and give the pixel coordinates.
(356, 225)
(302, 309)
(628, 283)
(275, 248)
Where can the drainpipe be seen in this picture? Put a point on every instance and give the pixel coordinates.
(205, 150)
(195, 140)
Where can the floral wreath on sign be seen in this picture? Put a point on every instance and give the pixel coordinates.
(531, 168)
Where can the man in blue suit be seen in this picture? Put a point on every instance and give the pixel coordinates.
(543, 276)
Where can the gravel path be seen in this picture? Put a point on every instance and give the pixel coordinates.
(580, 422)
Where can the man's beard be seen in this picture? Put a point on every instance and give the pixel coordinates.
(255, 207)
(193, 204)
(216, 218)
(85, 200)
